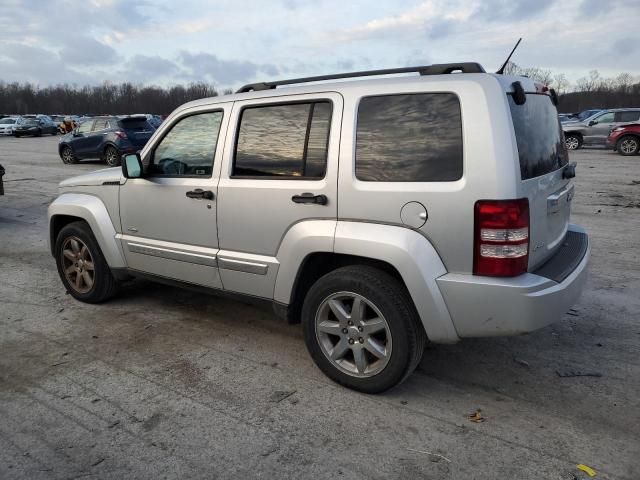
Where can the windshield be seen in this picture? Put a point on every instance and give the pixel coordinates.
(539, 136)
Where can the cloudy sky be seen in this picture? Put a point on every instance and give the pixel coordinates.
(232, 42)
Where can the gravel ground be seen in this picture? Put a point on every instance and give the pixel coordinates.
(167, 383)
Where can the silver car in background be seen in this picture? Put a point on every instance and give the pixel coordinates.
(595, 129)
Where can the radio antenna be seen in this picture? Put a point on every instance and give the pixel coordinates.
(501, 70)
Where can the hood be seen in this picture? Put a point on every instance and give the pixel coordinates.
(98, 177)
(573, 124)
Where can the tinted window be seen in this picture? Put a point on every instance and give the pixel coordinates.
(283, 141)
(189, 147)
(539, 136)
(409, 138)
(627, 116)
(135, 124)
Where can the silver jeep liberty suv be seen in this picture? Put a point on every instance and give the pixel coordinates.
(378, 212)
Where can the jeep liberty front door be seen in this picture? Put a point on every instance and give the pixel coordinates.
(168, 217)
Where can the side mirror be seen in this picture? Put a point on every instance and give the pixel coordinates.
(132, 166)
(593, 122)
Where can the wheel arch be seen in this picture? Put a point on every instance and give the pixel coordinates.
(402, 252)
(71, 207)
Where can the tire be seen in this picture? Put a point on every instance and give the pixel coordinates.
(17, 135)
(401, 337)
(628, 145)
(111, 156)
(67, 156)
(39, 133)
(573, 141)
(78, 256)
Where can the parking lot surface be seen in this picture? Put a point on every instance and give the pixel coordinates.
(167, 383)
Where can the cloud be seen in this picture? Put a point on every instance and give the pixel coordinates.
(87, 51)
(206, 66)
(518, 10)
(145, 68)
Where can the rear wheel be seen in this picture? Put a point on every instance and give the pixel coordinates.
(111, 156)
(81, 265)
(361, 328)
(67, 155)
(572, 141)
(39, 133)
(628, 145)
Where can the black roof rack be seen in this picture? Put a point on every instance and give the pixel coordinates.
(437, 69)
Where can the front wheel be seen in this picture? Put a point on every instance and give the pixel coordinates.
(573, 142)
(111, 156)
(67, 155)
(628, 145)
(362, 329)
(81, 265)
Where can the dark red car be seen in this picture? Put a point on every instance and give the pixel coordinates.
(625, 139)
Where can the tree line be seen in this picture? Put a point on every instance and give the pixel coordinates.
(108, 98)
(592, 91)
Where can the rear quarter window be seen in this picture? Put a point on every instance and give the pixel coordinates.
(409, 138)
(539, 136)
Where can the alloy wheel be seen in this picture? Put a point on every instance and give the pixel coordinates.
(111, 157)
(629, 146)
(77, 265)
(572, 143)
(353, 334)
(67, 155)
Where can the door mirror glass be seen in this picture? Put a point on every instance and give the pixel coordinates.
(132, 166)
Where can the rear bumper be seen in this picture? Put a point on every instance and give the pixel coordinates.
(486, 306)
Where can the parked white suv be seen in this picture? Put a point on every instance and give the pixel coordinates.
(378, 212)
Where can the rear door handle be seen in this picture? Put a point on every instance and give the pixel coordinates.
(310, 198)
(202, 194)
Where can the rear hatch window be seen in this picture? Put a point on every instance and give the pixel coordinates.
(138, 130)
(539, 136)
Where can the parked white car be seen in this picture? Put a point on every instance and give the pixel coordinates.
(7, 125)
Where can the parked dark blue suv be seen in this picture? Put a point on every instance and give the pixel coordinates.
(106, 138)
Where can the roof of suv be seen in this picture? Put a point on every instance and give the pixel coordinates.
(433, 73)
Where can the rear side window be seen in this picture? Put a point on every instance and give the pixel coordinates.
(283, 141)
(538, 134)
(409, 138)
(100, 125)
(632, 116)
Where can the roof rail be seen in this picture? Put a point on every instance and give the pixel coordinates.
(436, 69)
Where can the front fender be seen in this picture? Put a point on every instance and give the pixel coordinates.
(415, 259)
(94, 212)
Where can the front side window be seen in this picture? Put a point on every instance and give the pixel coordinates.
(606, 118)
(409, 138)
(189, 147)
(283, 141)
(85, 127)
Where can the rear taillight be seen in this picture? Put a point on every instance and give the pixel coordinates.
(501, 237)
(120, 134)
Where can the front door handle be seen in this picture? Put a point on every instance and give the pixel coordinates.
(310, 198)
(202, 194)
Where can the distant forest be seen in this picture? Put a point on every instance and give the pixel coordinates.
(589, 92)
